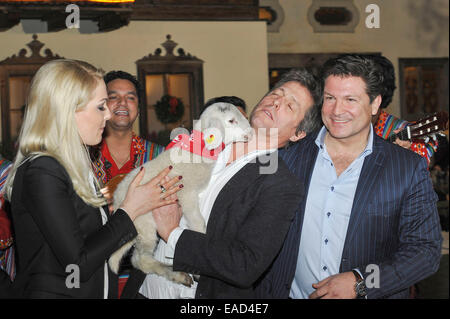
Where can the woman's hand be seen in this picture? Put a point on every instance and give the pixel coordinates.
(167, 218)
(141, 199)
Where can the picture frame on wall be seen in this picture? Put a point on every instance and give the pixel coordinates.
(423, 86)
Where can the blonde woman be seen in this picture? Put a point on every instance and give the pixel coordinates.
(63, 234)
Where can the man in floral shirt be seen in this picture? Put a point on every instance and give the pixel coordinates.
(121, 150)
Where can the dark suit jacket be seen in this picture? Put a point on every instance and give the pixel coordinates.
(246, 229)
(6, 291)
(394, 222)
(55, 228)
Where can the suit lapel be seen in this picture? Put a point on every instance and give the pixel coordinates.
(372, 166)
(241, 180)
(306, 168)
(301, 161)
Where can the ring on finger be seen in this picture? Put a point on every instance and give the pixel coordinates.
(163, 189)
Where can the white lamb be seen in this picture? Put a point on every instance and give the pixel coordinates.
(218, 120)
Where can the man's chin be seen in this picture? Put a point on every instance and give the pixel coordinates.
(261, 122)
(120, 126)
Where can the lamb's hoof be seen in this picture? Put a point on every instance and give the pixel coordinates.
(183, 278)
(114, 263)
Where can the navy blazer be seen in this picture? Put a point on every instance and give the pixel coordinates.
(394, 222)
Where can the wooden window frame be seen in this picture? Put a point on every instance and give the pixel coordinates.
(156, 64)
(18, 65)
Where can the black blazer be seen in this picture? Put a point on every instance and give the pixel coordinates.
(246, 229)
(55, 228)
(6, 291)
(394, 222)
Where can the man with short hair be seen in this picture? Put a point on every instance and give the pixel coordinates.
(386, 124)
(248, 213)
(236, 101)
(368, 226)
(121, 150)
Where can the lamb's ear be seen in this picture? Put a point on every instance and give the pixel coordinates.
(213, 134)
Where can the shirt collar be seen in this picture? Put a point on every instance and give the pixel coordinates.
(320, 141)
(222, 159)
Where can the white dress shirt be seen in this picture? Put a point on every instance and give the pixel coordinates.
(104, 220)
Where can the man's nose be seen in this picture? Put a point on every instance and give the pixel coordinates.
(122, 101)
(277, 102)
(338, 107)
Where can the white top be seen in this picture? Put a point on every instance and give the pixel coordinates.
(156, 287)
(104, 220)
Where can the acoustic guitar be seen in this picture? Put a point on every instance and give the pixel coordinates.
(418, 131)
(423, 129)
(111, 186)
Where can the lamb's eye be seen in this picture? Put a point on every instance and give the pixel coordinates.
(232, 121)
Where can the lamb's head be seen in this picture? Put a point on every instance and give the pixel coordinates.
(223, 122)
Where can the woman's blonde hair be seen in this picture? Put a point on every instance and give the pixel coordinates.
(58, 90)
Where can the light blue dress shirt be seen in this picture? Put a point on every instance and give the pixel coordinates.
(327, 213)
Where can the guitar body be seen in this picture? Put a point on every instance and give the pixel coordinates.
(111, 186)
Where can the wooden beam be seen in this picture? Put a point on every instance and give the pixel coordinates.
(111, 17)
(112, 21)
(55, 22)
(231, 10)
(201, 2)
(202, 13)
(8, 20)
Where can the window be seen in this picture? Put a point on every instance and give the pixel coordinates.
(423, 86)
(180, 76)
(16, 73)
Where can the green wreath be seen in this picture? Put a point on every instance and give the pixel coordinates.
(169, 109)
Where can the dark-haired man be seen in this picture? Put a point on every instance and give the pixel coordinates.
(236, 101)
(248, 210)
(369, 226)
(121, 149)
